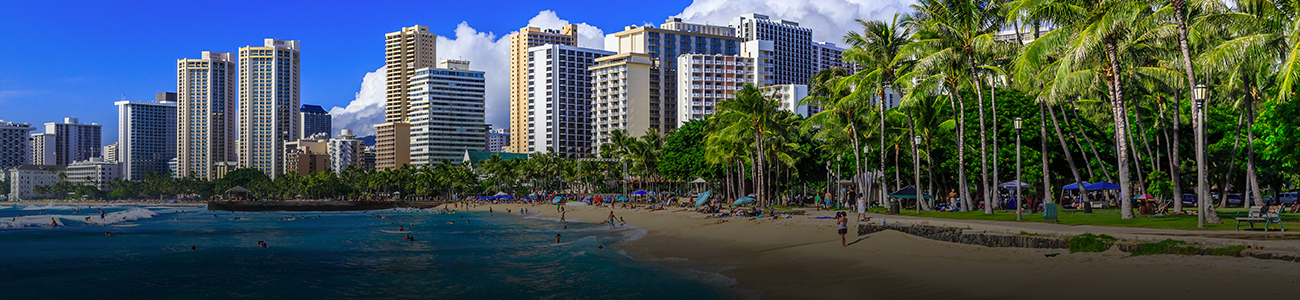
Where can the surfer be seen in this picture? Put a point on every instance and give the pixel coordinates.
(102, 214)
(54, 223)
(109, 234)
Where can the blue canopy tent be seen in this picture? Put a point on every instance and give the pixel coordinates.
(704, 197)
(1075, 186)
(639, 192)
(1102, 185)
(743, 200)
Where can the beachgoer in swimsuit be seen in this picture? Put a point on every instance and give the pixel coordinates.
(400, 228)
(562, 216)
(194, 248)
(842, 220)
(557, 238)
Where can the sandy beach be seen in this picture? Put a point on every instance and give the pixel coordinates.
(801, 258)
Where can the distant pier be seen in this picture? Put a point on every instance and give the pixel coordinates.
(317, 205)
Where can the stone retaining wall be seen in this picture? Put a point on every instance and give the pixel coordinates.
(955, 235)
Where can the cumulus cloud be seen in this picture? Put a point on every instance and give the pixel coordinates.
(366, 109)
(484, 50)
(829, 19)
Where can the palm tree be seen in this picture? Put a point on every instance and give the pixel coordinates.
(877, 50)
(751, 113)
(844, 108)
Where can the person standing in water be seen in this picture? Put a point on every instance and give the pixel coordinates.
(557, 238)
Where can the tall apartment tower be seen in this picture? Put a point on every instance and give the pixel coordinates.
(497, 140)
(15, 149)
(147, 133)
(42, 149)
(447, 113)
(826, 55)
(268, 103)
(559, 99)
(73, 141)
(792, 58)
(620, 91)
(206, 128)
(315, 120)
(111, 153)
(520, 42)
(704, 80)
(664, 45)
(346, 150)
(405, 51)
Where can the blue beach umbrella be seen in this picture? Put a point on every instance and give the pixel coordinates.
(702, 198)
(557, 199)
(1075, 186)
(621, 198)
(1101, 185)
(743, 200)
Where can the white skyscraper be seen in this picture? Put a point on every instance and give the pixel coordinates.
(147, 133)
(268, 103)
(346, 150)
(72, 141)
(446, 113)
(703, 80)
(205, 113)
(792, 56)
(15, 149)
(559, 99)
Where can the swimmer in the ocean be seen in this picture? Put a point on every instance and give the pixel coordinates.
(400, 228)
(557, 238)
(109, 234)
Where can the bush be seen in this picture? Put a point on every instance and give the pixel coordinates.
(1091, 243)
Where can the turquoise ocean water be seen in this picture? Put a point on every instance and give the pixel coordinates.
(326, 255)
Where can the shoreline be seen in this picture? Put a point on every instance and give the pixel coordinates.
(797, 258)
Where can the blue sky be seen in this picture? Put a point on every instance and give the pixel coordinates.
(75, 58)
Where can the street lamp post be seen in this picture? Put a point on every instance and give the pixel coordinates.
(864, 190)
(916, 165)
(1018, 186)
(1202, 192)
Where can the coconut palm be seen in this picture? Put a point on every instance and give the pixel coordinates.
(877, 50)
(751, 113)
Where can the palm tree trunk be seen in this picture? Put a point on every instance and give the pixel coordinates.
(953, 99)
(1097, 154)
(1142, 132)
(1082, 152)
(883, 186)
(1251, 177)
(989, 197)
(1137, 157)
(1232, 164)
(1121, 146)
(1042, 152)
(1068, 156)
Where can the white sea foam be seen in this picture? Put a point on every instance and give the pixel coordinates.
(38, 221)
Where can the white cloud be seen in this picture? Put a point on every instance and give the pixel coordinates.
(366, 109)
(486, 52)
(829, 19)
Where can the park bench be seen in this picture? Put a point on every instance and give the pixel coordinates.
(1260, 214)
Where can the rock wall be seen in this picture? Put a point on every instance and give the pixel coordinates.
(955, 235)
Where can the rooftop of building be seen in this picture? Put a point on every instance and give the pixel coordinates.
(312, 108)
(37, 168)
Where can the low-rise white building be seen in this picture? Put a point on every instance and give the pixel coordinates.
(24, 179)
(95, 171)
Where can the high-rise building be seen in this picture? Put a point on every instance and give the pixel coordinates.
(42, 149)
(315, 120)
(520, 42)
(788, 96)
(620, 96)
(703, 80)
(147, 133)
(111, 152)
(206, 100)
(346, 150)
(792, 56)
(663, 46)
(447, 115)
(15, 145)
(73, 141)
(497, 139)
(405, 51)
(826, 55)
(268, 103)
(559, 99)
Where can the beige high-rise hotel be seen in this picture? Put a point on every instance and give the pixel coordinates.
(269, 101)
(405, 51)
(529, 37)
(206, 131)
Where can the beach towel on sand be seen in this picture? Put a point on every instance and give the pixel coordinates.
(821, 217)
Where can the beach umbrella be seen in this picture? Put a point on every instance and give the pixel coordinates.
(501, 194)
(557, 199)
(639, 192)
(1075, 186)
(621, 198)
(907, 192)
(1014, 184)
(702, 198)
(1101, 185)
(1144, 197)
(742, 200)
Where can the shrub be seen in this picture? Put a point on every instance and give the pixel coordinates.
(1091, 243)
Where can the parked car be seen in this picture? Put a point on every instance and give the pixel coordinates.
(1189, 199)
(1286, 198)
(1234, 199)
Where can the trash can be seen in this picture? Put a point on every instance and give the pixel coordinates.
(893, 207)
(1049, 212)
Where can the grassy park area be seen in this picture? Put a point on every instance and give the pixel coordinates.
(1108, 217)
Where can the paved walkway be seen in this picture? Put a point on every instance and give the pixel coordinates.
(1272, 240)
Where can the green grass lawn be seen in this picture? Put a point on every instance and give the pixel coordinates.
(1109, 217)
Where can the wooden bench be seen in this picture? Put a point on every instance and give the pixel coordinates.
(1260, 214)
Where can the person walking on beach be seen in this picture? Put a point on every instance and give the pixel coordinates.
(842, 220)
